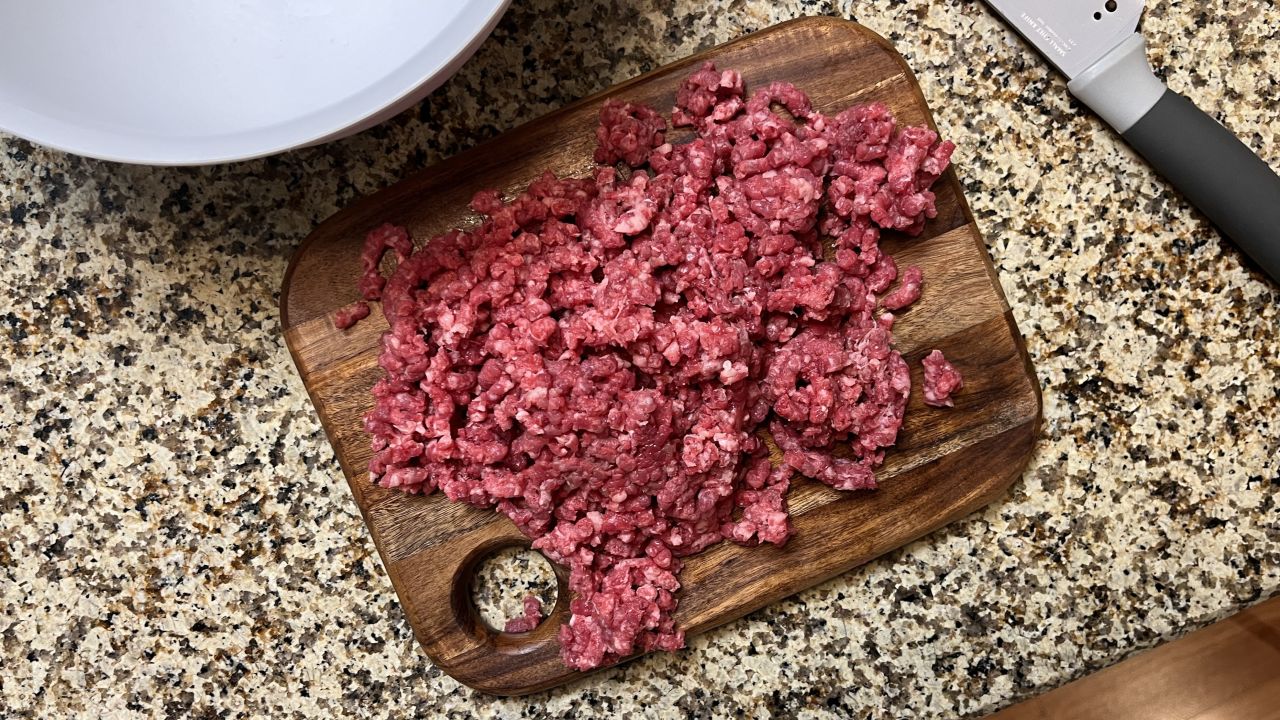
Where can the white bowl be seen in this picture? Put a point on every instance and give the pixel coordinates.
(193, 82)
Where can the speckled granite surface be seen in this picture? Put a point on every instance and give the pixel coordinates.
(176, 538)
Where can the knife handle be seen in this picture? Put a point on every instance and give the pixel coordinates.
(1216, 172)
(1209, 165)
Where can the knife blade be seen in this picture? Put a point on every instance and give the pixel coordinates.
(1054, 28)
(1097, 46)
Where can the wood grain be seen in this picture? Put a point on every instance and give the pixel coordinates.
(947, 463)
(1230, 669)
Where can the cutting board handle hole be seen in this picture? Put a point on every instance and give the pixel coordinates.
(502, 579)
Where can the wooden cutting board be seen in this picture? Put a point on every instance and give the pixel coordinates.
(947, 462)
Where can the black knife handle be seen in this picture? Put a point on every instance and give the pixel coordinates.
(1217, 172)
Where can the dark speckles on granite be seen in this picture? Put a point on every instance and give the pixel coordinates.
(176, 539)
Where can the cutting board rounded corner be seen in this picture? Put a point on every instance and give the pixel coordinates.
(286, 282)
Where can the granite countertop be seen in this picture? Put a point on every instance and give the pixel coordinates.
(177, 539)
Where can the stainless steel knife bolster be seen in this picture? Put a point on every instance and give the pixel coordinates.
(1216, 172)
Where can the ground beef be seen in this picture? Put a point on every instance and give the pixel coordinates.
(627, 132)
(599, 359)
(351, 314)
(940, 380)
(376, 244)
(531, 618)
(908, 290)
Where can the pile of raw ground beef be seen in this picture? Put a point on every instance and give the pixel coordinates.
(598, 359)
